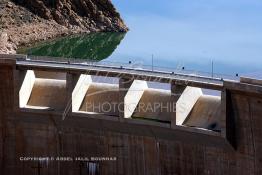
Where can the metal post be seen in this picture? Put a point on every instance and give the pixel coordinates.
(152, 62)
(212, 69)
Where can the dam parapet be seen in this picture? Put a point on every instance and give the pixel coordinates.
(66, 105)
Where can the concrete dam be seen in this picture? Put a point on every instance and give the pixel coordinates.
(68, 118)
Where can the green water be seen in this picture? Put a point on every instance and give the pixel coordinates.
(95, 46)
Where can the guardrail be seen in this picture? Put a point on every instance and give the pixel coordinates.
(136, 66)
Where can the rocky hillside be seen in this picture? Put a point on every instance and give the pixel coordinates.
(26, 21)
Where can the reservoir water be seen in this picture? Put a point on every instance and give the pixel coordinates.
(223, 36)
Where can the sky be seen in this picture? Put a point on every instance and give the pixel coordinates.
(228, 32)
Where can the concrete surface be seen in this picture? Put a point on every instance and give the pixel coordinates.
(49, 93)
(133, 96)
(101, 98)
(26, 88)
(50, 75)
(251, 81)
(80, 90)
(186, 103)
(206, 113)
(155, 104)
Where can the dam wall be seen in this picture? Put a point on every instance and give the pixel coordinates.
(139, 144)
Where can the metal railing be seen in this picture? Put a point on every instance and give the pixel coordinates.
(135, 66)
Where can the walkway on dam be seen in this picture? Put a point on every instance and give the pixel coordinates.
(119, 71)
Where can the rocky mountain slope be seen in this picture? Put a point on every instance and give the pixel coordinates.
(26, 21)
